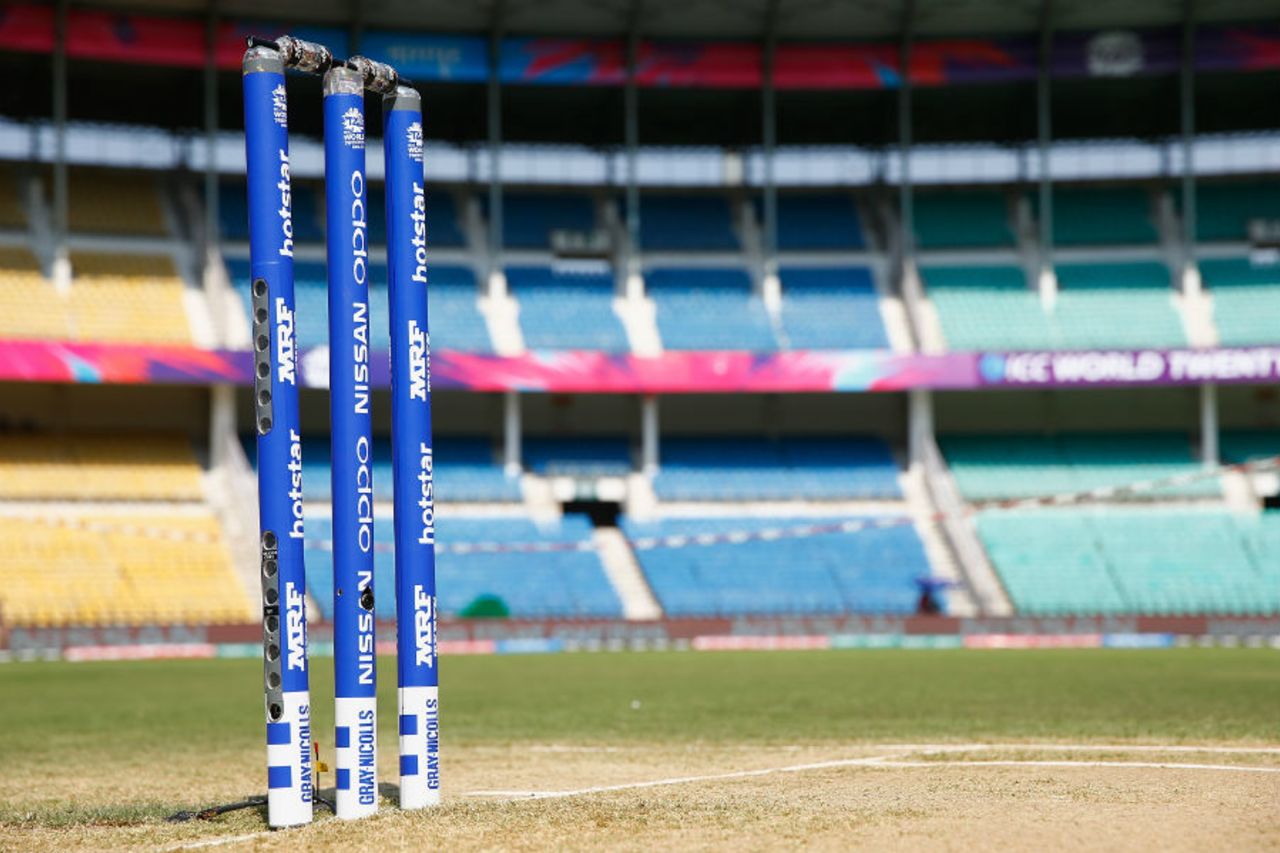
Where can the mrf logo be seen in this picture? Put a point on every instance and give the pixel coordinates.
(286, 356)
(295, 626)
(419, 359)
(424, 623)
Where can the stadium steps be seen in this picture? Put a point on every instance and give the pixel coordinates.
(937, 546)
(623, 572)
(921, 313)
(639, 318)
(502, 317)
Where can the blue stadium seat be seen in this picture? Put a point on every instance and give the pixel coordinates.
(564, 309)
(580, 456)
(465, 469)
(681, 223)
(529, 218)
(831, 308)
(811, 222)
(697, 469)
(702, 308)
(869, 571)
(569, 583)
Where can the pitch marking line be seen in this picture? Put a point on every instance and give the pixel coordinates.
(897, 759)
(216, 842)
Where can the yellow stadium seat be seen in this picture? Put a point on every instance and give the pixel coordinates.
(114, 203)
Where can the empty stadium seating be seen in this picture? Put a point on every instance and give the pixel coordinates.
(870, 571)
(465, 470)
(1246, 300)
(563, 583)
(12, 213)
(456, 322)
(706, 308)
(102, 202)
(30, 307)
(529, 218)
(98, 467)
(1100, 216)
(831, 308)
(1238, 446)
(686, 222)
(564, 308)
(1223, 211)
(993, 467)
(961, 220)
(1132, 560)
(741, 469)
(109, 567)
(1116, 304)
(127, 298)
(817, 222)
(580, 456)
(987, 307)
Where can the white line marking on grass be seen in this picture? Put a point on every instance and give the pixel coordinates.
(901, 751)
(216, 842)
(1150, 765)
(684, 780)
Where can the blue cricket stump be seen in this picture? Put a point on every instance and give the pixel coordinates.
(351, 430)
(284, 615)
(411, 454)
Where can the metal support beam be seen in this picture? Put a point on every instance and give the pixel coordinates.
(1188, 113)
(211, 212)
(1209, 425)
(631, 136)
(769, 133)
(1044, 132)
(61, 264)
(649, 435)
(905, 203)
(511, 433)
(494, 105)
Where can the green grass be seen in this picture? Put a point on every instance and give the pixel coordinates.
(130, 713)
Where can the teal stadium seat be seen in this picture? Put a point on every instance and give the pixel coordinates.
(987, 307)
(962, 220)
(1100, 216)
(1223, 211)
(1116, 305)
(1246, 300)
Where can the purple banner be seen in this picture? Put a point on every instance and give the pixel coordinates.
(589, 372)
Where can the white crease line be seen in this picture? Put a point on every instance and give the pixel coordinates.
(1067, 747)
(216, 842)
(684, 780)
(1156, 765)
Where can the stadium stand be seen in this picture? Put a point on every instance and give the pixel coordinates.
(1223, 211)
(1116, 304)
(686, 222)
(111, 202)
(815, 222)
(831, 308)
(98, 467)
(581, 456)
(30, 307)
(456, 322)
(568, 583)
(987, 307)
(1239, 446)
(1246, 300)
(567, 309)
(961, 220)
(1100, 216)
(871, 571)
(706, 308)
(996, 467)
(1153, 560)
(529, 218)
(147, 567)
(127, 298)
(465, 470)
(744, 469)
(12, 212)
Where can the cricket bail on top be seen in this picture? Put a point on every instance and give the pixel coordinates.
(291, 784)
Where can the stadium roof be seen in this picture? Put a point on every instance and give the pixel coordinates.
(727, 19)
